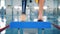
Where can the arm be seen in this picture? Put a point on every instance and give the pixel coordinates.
(4, 28)
(40, 12)
(23, 15)
(58, 27)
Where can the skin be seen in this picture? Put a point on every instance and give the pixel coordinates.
(23, 17)
(41, 3)
(40, 13)
(4, 28)
(58, 27)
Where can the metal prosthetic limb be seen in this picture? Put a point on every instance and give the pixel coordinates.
(23, 15)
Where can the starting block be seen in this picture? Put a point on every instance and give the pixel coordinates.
(30, 25)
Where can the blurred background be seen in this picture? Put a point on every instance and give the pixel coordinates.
(10, 10)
